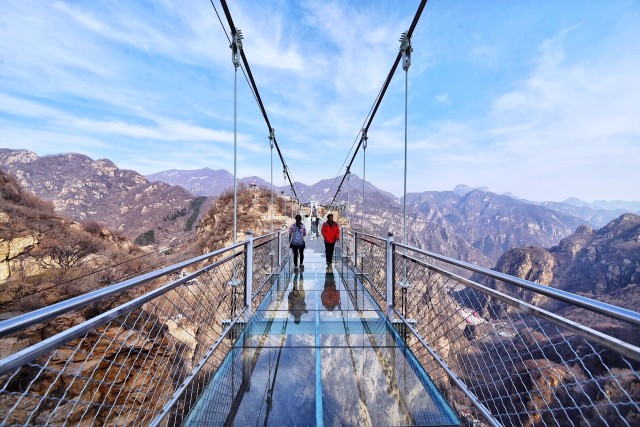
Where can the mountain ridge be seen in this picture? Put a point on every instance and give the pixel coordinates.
(86, 189)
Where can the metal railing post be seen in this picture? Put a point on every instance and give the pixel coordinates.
(248, 276)
(389, 273)
(355, 249)
(279, 249)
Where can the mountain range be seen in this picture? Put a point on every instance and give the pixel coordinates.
(203, 182)
(472, 224)
(84, 189)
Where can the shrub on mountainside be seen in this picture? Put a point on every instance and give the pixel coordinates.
(146, 238)
(195, 206)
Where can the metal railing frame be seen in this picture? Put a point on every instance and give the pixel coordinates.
(555, 293)
(26, 320)
(394, 249)
(33, 352)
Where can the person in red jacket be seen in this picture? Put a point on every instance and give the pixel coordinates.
(331, 234)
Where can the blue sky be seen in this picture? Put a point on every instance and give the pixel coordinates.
(539, 98)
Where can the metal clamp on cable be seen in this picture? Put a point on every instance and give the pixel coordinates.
(272, 137)
(406, 49)
(236, 47)
(364, 139)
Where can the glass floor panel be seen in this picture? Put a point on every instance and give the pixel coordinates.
(318, 353)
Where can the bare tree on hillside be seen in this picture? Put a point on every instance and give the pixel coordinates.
(65, 252)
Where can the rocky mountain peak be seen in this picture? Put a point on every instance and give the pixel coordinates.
(462, 189)
(584, 229)
(104, 167)
(17, 156)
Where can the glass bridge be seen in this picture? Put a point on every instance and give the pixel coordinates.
(389, 334)
(318, 351)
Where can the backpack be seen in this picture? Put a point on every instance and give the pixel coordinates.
(297, 239)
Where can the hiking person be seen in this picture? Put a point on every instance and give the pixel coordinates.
(331, 234)
(297, 232)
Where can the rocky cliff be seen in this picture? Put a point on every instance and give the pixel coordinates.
(604, 263)
(123, 200)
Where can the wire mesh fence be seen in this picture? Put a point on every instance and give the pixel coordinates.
(371, 260)
(265, 265)
(345, 249)
(23, 293)
(527, 366)
(129, 363)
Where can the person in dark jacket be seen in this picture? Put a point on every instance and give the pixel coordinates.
(331, 234)
(297, 232)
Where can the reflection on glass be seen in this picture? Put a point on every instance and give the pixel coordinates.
(330, 295)
(297, 304)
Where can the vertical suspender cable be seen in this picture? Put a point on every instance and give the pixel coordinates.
(404, 198)
(271, 137)
(348, 184)
(364, 170)
(236, 47)
(235, 143)
(405, 48)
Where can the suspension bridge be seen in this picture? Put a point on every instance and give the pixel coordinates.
(388, 334)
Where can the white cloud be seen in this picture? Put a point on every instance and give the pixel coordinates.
(443, 98)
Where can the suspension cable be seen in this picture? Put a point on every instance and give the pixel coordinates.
(385, 86)
(254, 87)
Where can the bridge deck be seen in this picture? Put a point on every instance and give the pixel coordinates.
(319, 351)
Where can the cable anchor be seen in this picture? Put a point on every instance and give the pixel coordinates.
(406, 49)
(236, 47)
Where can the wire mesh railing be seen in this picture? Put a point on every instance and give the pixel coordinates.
(371, 260)
(500, 359)
(144, 361)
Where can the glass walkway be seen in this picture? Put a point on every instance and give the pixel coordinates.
(320, 351)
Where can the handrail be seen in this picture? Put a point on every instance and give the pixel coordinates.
(30, 353)
(629, 350)
(600, 307)
(371, 236)
(472, 397)
(26, 320)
